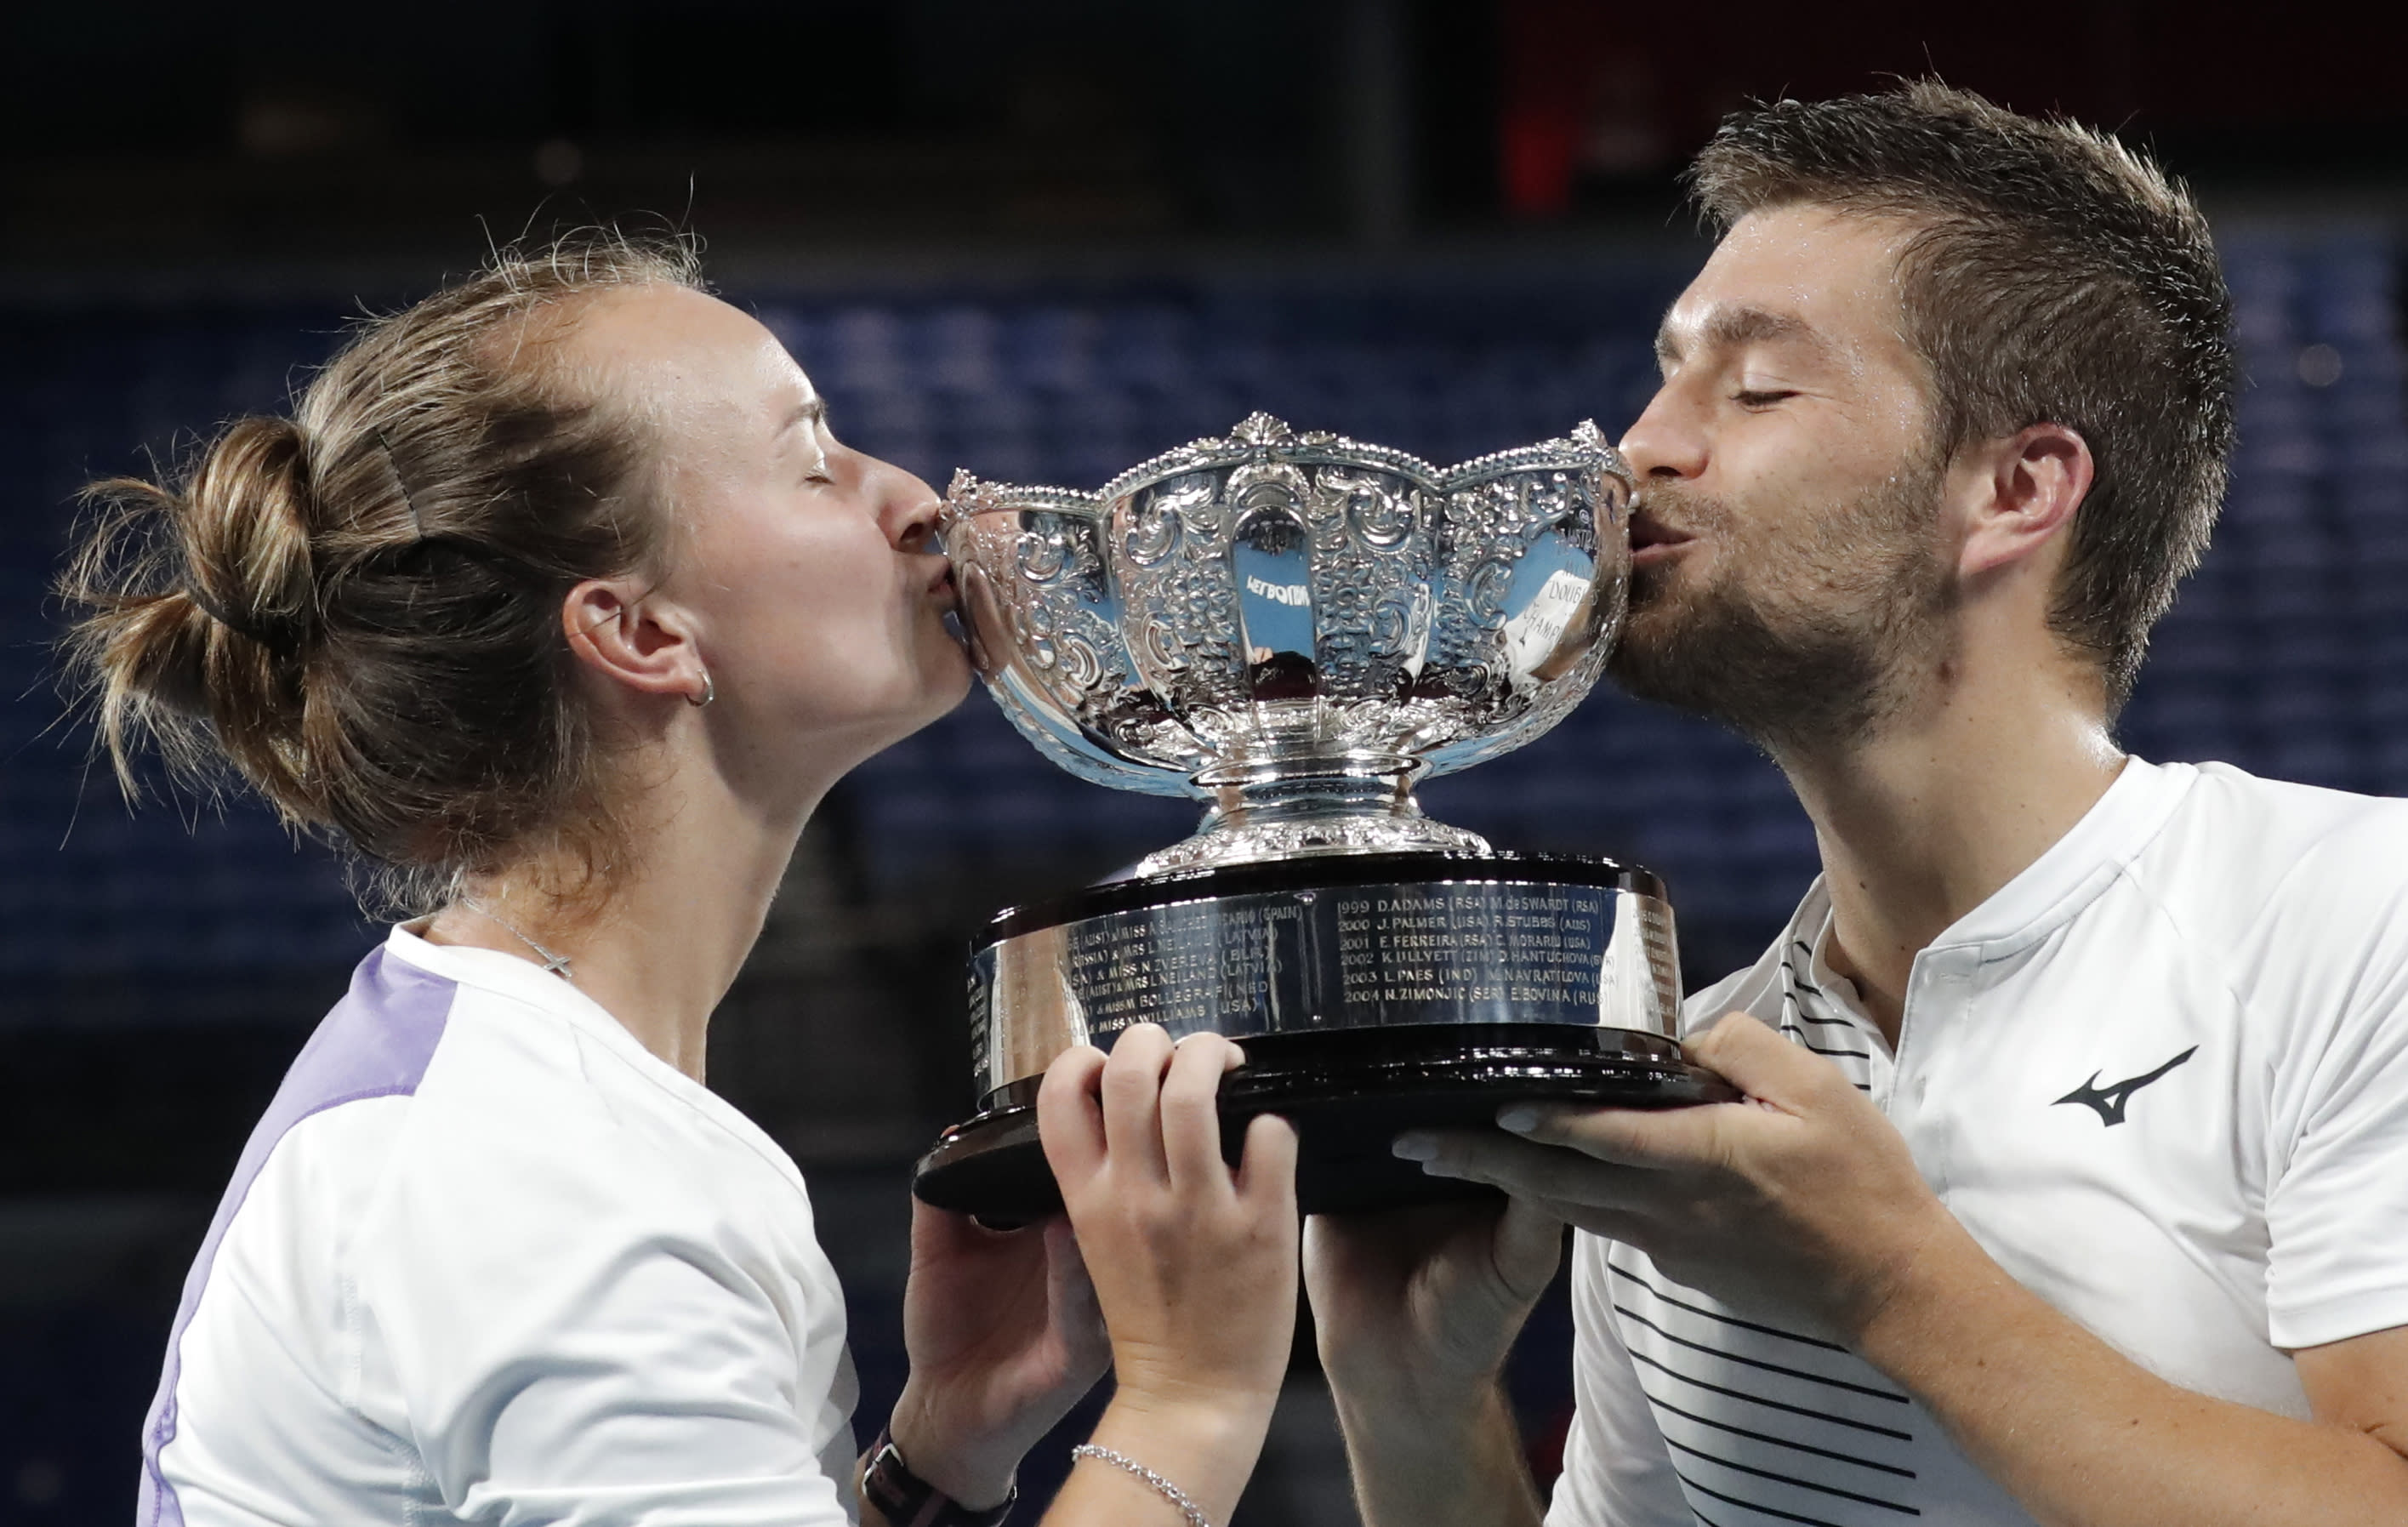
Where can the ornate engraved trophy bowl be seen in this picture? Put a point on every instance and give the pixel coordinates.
(1294, 630)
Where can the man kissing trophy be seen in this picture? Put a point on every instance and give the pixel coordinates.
(1294, 628)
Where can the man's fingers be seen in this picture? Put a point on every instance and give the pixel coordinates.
(1191, 1116)
(1752, 1056)
(936, 1231)
(1267, 1171)
(1529, 1242)
(1613, 1224)
(1778, 1077)
(1525, 1169)
(1069, 1293)
(1132, 1090)
(1629, 1137)
(1370, 1247)
(1065, 1268)
(1069, 1115)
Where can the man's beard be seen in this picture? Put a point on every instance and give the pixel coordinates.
(1801, 642)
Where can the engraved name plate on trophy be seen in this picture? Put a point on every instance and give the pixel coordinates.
(1294, 630)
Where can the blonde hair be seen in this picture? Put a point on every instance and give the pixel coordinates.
(358, 607)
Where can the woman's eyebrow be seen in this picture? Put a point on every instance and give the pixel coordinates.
(811, 417)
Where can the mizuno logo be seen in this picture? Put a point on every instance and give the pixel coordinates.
(2113, 1100)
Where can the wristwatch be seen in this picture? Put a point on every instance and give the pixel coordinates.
(905, 1500)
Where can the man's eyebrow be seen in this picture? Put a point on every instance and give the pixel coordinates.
(810, 411)
(1730, 328)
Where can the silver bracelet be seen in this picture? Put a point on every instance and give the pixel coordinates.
(1169, 1491)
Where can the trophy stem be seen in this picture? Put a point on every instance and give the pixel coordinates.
(1286, 809)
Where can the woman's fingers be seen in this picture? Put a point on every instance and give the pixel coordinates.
(1069, 1115)
(1133, 1100)
(1152, 1109)
(1191, 1115)
(1197, 1285)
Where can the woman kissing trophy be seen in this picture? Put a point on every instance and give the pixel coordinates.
(1294, 628)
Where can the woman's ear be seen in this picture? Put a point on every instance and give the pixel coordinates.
(634, 638)
(2031, 483)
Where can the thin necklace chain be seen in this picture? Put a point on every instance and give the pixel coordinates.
(556, 964)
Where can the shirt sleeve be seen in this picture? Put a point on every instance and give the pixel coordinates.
(2337, 1197)
(568, 1346)
(1617, 1471)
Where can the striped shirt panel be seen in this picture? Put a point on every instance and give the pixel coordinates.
(1762, 1423)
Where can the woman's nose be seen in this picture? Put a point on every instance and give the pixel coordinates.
(907, 509)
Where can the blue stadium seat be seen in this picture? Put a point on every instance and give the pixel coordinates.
(2281, 654)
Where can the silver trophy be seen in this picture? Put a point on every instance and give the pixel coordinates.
(1294, 630)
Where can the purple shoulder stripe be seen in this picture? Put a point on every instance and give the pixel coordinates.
(375, 1043)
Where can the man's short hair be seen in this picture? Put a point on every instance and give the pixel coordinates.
(2057, 277)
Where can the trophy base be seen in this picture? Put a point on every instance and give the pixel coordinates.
(1348, 1093)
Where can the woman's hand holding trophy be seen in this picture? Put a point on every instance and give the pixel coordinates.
(1194, 1260)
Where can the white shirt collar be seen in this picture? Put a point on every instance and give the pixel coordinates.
(524, 981)
(2048, 892)
(2079, 865)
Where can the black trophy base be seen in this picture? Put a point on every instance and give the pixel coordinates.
(1348, 1093)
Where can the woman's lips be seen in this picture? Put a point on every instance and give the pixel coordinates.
(942, 589)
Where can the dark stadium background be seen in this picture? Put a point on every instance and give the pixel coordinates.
(1041, 240)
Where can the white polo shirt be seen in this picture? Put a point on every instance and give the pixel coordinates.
(487, 1259)
(2161, 1076)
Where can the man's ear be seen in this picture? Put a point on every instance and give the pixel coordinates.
(632, 638)
(2031, 484)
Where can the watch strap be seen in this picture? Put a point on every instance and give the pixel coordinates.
(905, 1500)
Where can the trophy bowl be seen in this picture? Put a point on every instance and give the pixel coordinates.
(1294, 630)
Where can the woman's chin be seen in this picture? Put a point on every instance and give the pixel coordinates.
(953, 678)
(945, 683)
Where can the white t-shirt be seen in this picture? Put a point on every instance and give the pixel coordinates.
(488, 1258)
(2161, 1076)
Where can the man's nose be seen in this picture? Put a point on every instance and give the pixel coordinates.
(1660, 443)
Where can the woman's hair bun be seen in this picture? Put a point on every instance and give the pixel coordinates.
(249, 516)
(200, 605)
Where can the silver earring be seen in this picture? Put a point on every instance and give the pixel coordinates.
(709, 692)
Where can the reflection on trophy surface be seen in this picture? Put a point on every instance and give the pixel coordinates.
(1293, 629)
